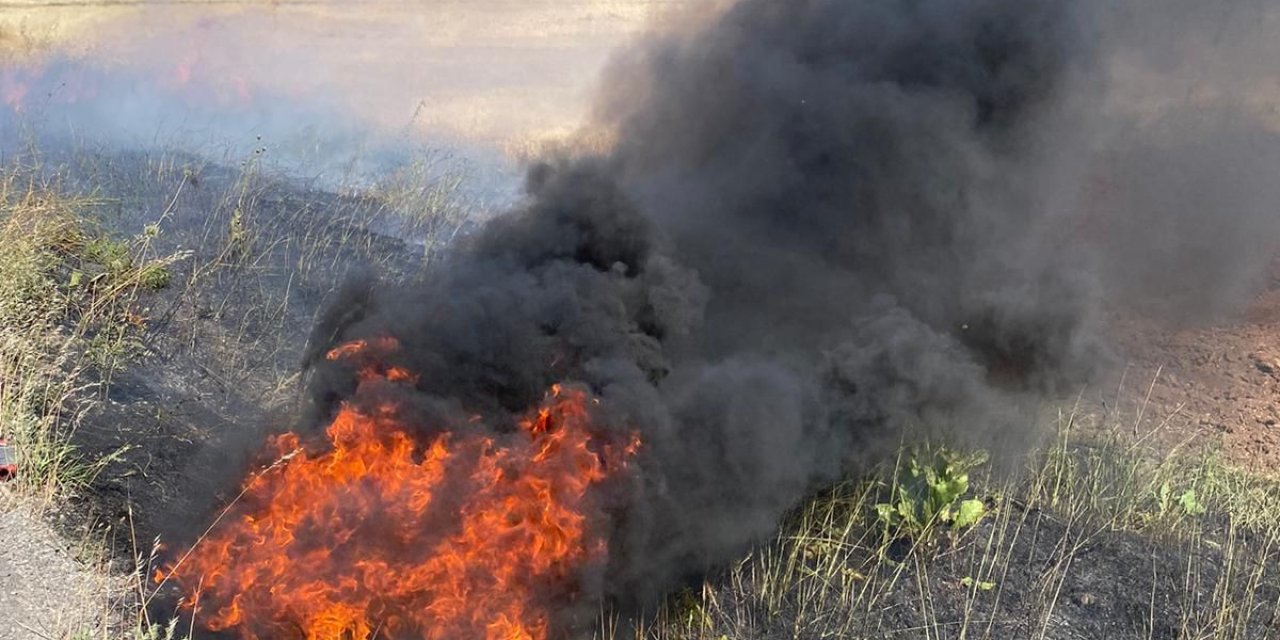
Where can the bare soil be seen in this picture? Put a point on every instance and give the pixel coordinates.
(1217, 385)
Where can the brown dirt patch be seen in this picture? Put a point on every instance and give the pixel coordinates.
(1217, 384)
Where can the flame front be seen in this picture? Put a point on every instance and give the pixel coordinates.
(457, 536)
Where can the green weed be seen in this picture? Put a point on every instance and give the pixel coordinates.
(928, 493)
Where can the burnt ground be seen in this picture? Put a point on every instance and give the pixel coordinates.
(218, 366)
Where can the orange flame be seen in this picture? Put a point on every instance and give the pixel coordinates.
(226, 87)
(13, 90)
(382, 535)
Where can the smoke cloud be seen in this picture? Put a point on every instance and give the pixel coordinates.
(823, 226)
(1187, 222)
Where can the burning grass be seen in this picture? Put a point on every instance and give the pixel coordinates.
(457, 535)
(93, 286)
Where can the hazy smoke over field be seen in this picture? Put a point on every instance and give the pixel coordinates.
(824, 225)
(323, 84)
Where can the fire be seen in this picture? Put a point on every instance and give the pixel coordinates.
(388, 533)
(14, 89)
(28, 86)
(204, 81)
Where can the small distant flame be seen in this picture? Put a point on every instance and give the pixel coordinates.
(460, 536)
(14, 88)
(28, 86)
(193, 77)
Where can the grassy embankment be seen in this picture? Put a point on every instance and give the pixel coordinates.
(82, 300)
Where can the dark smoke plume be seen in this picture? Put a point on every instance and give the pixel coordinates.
(824, 226)
(1187, 223)
(821, 227)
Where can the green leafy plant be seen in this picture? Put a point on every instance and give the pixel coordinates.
(155, 276)
(112, 255)
(981, 585)
(928, 493)
(1186, 500)
(1170, 502)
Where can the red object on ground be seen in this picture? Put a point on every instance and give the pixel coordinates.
(8, 461)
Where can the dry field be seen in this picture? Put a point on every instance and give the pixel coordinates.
(496, 71)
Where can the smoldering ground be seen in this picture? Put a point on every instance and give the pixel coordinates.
(823, 228)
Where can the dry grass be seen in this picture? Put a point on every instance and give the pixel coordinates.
(67, 296)
(835, 572)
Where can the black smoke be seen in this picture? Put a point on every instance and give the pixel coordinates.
(823, 226)
(1187, 223)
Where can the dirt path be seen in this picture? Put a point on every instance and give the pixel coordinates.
(45, 591)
